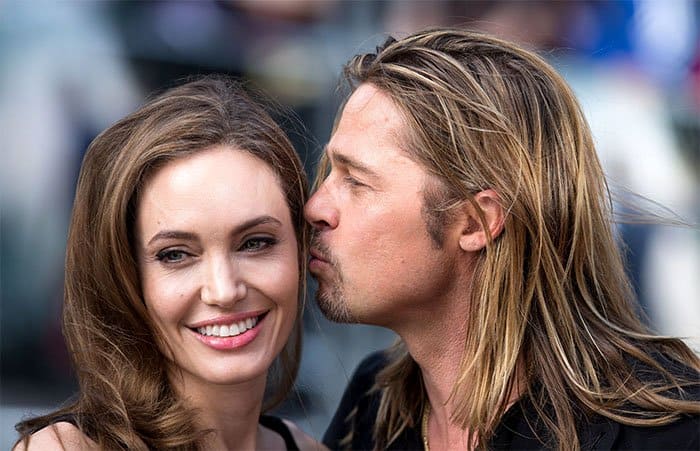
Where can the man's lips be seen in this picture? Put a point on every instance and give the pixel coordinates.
(316, 254)
(318, 263)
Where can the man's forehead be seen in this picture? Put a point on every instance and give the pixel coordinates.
(362, 97)
(374, 119)
(369, 104)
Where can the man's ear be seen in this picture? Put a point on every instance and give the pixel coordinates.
(476, 230)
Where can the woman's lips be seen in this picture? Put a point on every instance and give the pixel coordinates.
(227, 319)
(228, 336)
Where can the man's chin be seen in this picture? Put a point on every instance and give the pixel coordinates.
(333, 308)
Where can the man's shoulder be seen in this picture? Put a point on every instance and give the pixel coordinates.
(362, 387)
(681, 382)
(357, 410)
(366, 372)
(682, 434)
(671, 378)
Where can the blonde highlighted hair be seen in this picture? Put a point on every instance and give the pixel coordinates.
(125, 399)
(550, 294)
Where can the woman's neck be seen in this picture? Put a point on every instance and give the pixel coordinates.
(230, 411)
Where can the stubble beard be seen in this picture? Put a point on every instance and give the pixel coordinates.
(330, 296)
(331, 299)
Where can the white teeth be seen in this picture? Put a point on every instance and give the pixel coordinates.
(230, 330)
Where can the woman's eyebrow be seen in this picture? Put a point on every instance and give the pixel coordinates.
(182, 235)
(172, 235)
(253, 222)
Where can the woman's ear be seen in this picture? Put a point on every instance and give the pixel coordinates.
(476, 233)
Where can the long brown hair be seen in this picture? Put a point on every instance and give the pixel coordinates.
(125, 399)
(550, 293)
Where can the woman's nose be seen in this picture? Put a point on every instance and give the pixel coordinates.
(222, 284)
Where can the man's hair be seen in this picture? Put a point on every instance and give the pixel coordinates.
(126, 400)
(550, 294)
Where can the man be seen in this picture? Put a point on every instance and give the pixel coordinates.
(461, 204)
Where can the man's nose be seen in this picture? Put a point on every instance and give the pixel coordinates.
(222, 285)
(320, 210)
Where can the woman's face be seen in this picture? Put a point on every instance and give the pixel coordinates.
(218, 262)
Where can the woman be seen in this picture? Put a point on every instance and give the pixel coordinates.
(184, 268)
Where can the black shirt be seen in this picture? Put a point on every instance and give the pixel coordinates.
(277, 425)
(514, 432)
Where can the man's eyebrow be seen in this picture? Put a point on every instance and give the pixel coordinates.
(181, 235)
(347, 161)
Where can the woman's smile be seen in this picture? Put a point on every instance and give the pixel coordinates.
(225, 333)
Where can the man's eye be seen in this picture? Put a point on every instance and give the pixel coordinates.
(257, 244)
(352, 181)
(171, 256)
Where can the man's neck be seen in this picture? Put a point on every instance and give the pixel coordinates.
(436, 339)
(436, 342)
(438, 347)
(435, 334)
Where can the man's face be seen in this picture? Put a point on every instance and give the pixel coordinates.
(372, 255)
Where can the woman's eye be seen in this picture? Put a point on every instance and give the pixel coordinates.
(257, 244)
(171, 256)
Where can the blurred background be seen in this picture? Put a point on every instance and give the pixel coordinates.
(69, 69)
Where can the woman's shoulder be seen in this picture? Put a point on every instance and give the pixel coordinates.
(58, 436)
(288, 434)
(303, 440)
